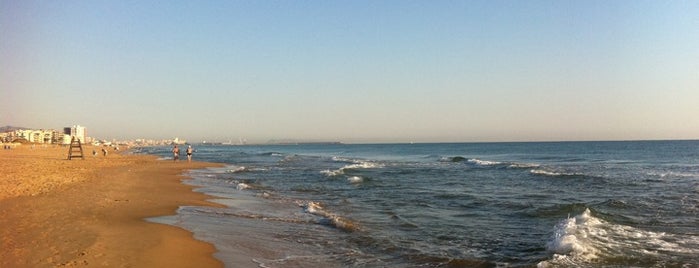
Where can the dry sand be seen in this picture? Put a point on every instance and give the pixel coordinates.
(59, 212)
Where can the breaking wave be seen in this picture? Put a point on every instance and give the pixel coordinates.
(586, 240)
(356, 164)
(237, 169)
(488, 163)
(545, 172)
(242, 186)
(523, 165)
(328, 218)
(480, 162)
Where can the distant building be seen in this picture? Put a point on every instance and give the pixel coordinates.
(34, 136)
(44, 136)
(77, 131)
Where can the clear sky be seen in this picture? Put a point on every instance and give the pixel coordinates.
(353, 71)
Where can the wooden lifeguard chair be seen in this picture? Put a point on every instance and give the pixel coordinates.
(76, 149)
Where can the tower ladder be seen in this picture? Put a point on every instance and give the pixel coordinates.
(76, 149)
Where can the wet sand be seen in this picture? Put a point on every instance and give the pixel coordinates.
(59, 212)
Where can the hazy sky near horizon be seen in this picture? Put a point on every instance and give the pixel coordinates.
(353, 71)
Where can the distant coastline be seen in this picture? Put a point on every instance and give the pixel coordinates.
(274, 143)
(305, 143)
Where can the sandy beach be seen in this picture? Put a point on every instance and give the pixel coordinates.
(90, 212)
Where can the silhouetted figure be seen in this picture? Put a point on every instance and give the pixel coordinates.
(175, 153)
(189, 153)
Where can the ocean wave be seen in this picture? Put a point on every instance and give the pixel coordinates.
(291, 158)
(454, 159)
(332, 173)
(572, 236)
(242, 214)
(404, 223)
(328, 218)
(342, 159)
(523, 165)
(480, 162)
(585, 240)
(242, 186)
(672, 174)
(277, 154)
(242, 169)
(237, 169)
(546, 172)
(355, 165)
(489, 163)
(554, 211)
(245, 185)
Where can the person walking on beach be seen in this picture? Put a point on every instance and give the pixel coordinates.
(104, 151)
(189, 153)
(176, 153)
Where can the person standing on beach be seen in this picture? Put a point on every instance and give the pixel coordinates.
(189, 153)
(176, 153)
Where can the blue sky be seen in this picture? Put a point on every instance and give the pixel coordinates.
(353, 71)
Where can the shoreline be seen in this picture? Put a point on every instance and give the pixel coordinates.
(93, 211)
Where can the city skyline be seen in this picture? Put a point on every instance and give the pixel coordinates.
(388, 71)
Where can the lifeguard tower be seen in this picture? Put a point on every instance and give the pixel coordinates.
(76, 149)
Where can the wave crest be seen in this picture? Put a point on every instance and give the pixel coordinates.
(550, 173)
(357, 164)
(489, 163)
(586, 239)
(454, 159)
(329, 218)
(237, 169)
(480, 162)
(242, 186)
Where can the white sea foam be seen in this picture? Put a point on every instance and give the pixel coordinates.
(329, 218)
(355, 165)
(243, 186)
(546, 172)
(672, 174)
(483, 162)
(585, 239)
(332, 173)
(571, 236)
(355, 179)
(313, 207)
(237, 169)
(365, 164)
(523, 165)
(341, 159)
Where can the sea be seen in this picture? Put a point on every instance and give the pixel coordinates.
(532, 204)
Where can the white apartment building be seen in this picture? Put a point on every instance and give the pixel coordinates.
(35, 136)
(77, 131)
